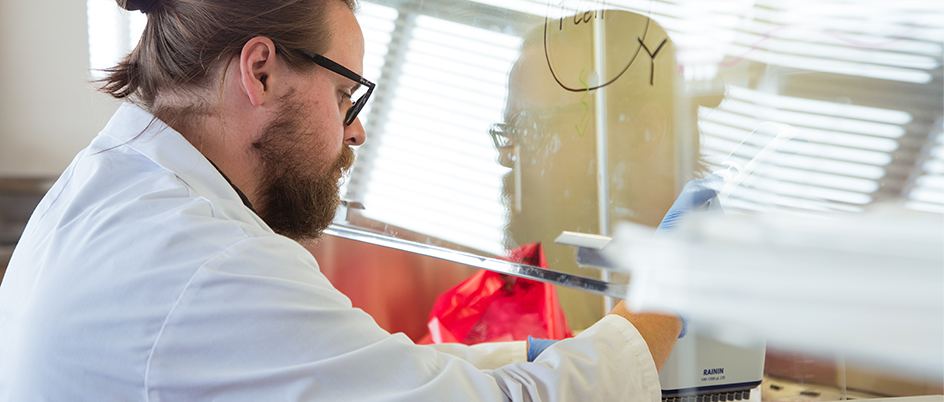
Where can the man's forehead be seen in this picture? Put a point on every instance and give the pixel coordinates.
(347, 40)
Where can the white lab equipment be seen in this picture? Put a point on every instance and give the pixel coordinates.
(701, 368)
(867, 286)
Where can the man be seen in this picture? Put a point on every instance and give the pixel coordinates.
(164, 264)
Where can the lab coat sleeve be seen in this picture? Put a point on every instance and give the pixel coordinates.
(487, 356)
(609, 361)
(284, 333)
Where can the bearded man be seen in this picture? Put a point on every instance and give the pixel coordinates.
(165, 263)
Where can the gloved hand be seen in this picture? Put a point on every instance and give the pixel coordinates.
(695, 195)
(537, 345)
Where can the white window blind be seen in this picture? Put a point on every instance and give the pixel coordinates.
(835, 162)
(926, 191)
(876, 39)
(429, 166)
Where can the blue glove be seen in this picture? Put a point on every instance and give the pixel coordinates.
(536, 346)
(695, 195)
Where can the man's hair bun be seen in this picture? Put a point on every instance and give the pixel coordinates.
(143, 6)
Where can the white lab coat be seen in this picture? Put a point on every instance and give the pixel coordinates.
(142, 276)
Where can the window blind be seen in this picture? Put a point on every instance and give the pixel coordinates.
(859, 81)
(926, 189)
(428, 165)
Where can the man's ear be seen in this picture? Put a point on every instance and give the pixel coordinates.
(257, 62)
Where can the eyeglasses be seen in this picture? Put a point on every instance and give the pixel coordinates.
(343, 71)
(523, 130)
(532, 131)
(532, 125)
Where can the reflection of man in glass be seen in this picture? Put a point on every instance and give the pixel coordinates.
(550, 137)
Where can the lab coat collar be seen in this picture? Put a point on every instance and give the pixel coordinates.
(138, 129)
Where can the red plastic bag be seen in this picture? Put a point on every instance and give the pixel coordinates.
(493, 307)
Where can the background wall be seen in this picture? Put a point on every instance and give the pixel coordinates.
(48, 109)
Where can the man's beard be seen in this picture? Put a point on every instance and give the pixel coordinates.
(297, 195)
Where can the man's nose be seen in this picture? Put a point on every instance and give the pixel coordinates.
(354, 133)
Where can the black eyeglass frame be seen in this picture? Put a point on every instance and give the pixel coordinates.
(332, 66)
(502, 134)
